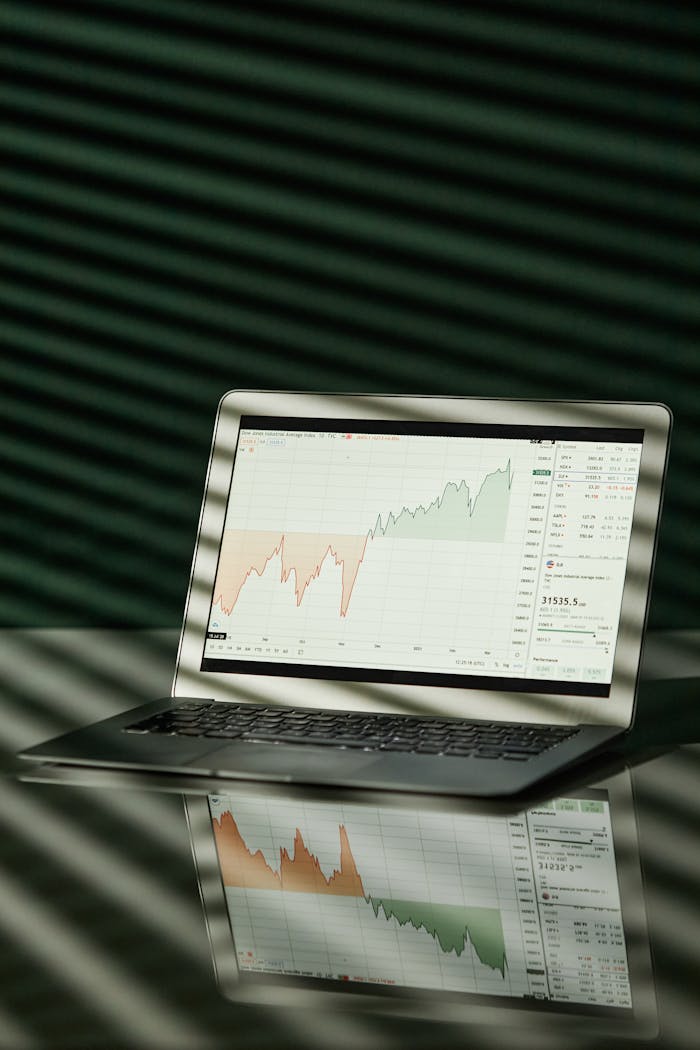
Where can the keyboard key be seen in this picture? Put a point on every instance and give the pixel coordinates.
(525, 749)
(285, 738)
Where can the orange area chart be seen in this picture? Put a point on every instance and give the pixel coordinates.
(300, 873)
(244, 552)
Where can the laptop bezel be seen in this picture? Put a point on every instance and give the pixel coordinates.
(616, 710)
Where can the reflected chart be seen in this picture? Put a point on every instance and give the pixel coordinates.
(452, 927)
(525, 905)
(361, 904)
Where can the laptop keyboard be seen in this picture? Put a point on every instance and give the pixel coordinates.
(427, 736)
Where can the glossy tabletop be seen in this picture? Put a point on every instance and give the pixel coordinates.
(103, 934)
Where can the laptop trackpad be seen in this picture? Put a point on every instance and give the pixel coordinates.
(285, 761)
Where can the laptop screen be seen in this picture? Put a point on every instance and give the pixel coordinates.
(490, 556)
(519, 909)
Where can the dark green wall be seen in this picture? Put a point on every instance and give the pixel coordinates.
(489, 198)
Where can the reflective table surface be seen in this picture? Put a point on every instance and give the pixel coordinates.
(104, 938)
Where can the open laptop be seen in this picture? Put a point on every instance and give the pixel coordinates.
(418, 593)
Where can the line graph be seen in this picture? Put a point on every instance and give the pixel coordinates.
(300, 873)
(248, 552)
(378, 552)
(454, 515)
(452, 927)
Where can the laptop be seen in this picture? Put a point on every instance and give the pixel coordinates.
(433, 594)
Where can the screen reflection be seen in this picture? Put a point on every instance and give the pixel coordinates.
(522, 907)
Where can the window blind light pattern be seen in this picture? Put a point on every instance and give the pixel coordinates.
(495, 199)
(103, 940)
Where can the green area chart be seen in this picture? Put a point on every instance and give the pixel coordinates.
(456, 514)
(452, 926)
